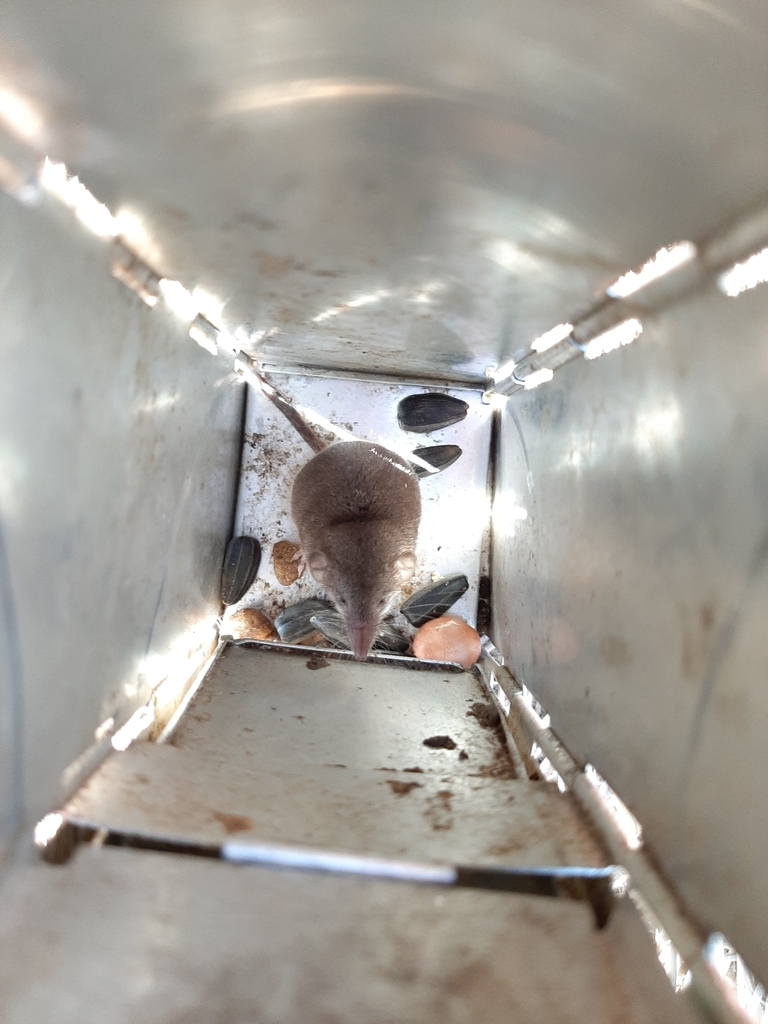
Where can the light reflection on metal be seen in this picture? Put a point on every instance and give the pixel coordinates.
(625, 821)
(511, 256)
(47, 829)
(134, 727)
(667, 953)
(502, 372)
(16, 185)
(21, 117)
(361, 300)
(205, 334)
(70, 190)
(173, 668)
(132, 229)
(728, 965)
(105, 729)
(507, 512)
(538, 377)
(428, 292)
(495, 400)
(548, 773)
(135, 273)
(622, 334)
(178, 299)
(743, 276)
(281, 94)
(209, 305)
(552, 337)
(663, 262)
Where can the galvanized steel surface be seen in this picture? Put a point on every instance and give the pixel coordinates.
(289, 749)
(396, 185)
(119, 447)
(155, 938)
(630, 588)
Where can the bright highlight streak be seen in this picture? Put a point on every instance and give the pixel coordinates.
(361, 300)
(664, 262)
(134, 727)
(47, 829)
(209, 305)
(320, 421)
(622, 817)
(132, 229)
(367, 300)
(102, 731)
(178, 299)
(266, 97)
(533, 380)
(621, 334)
(502, 372)
(552, 337)
(743, 276)
(89, 211)
(428, 292)
(20, 117)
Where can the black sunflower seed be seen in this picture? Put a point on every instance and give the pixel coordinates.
(441, 456)
(430, 411)
(241, 563)
(295, 622)
(434, 600)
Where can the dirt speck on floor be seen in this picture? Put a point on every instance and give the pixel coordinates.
(440, 743)
(233, 823)
(486, 714)
(317, 661)
(401, 788)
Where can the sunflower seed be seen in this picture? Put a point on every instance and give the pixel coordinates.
(241, 563)
(434, 600)
(441, 456)
(430, 411)
(294, 624)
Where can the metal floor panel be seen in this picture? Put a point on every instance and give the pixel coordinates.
(455, 504)
(269, 750)
(127, 937)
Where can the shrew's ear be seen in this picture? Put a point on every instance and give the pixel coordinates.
(405, 565)
(318, 565)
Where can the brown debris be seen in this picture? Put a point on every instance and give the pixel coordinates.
(316, 661)
(401, 788)
(440, 743)
(285, 563)
(233, 822)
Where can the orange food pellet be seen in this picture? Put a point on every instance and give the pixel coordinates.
(447, 639)
(250, 624)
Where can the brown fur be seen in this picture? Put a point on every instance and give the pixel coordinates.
(357, 508)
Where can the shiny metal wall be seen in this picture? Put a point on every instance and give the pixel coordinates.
(119, 448)
(402, 186)
(414, 189)
(631, 588)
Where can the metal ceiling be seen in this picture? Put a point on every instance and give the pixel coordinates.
(443, 181)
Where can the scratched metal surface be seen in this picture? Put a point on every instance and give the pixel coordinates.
(148, 937)
(634, 596)
(119, 449)
(482, 171)
(271, 751)
(455, 504)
